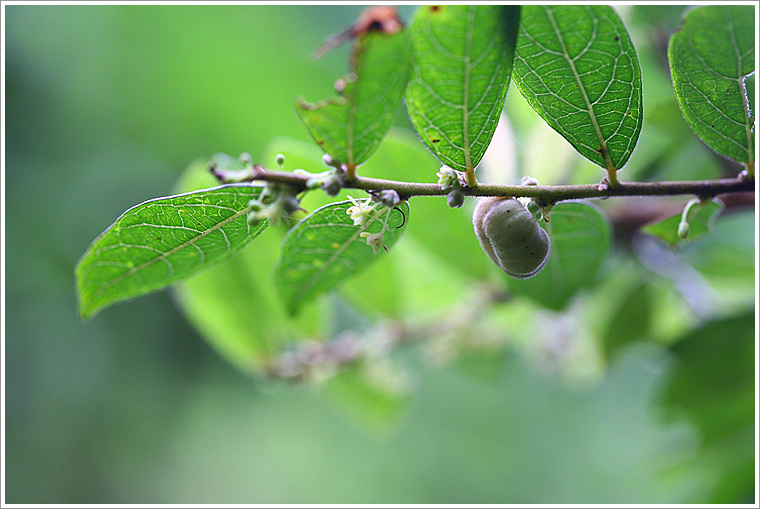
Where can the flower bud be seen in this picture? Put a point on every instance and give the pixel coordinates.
(683, 230)
(332, 185)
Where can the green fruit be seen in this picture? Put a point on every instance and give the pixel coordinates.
(511, 236)
(455, 198)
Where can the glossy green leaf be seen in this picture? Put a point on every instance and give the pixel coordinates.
(162, 241)
(437, 261)
(235, 305)
(577, 67)
(326, 248)
(462, 60)
(710, 56)
(580, 240)
(351, 126)
(700, 218)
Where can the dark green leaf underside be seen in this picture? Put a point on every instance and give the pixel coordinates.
(325, 249)
(710, 56)
(162, 241)
(577, 67)
(462, 61)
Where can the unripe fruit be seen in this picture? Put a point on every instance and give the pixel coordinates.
(455, 199)
(511, 237)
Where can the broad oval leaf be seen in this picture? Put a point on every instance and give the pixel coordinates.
(461, 64)
(700, 218)
(162, 241)
(580, 240)
(234, 305)
(401, 156)
(351, 126)
(577, 67)
(325, 248)
(710, 56)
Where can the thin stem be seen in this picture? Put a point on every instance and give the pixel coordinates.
(687, 209)
(612, 177)
(547, 194)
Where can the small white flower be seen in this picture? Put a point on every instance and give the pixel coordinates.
(448, 178)
(375, 240)
(360, 211)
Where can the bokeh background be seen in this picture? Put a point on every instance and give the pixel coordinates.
(106, 105)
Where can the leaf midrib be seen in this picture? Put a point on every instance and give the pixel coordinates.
(589, 107)
(310, 283)
(101, 289)
(466, 90)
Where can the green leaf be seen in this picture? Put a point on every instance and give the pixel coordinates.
(714, 383)
(162, 241)
(700, 218)
(629, 322)
(577, 67)
(710, 56)
(454, 256)
(462, 60)
(351, 126)
(726, 258)
(234, 305)
(580, 240)
(325, 248)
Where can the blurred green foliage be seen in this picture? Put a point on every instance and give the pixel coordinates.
(105, 107)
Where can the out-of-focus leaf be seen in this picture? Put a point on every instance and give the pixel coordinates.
(325, 248)
(482, 364)
(374, 395)
(580, 239)
(162, 241)
(462, 61)
(630, 322)
(235, 305)
(710, 56)
(577, 67)
(412, 283)
(351, 126)
(714, 383)
(700, 218)
(726, 257)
